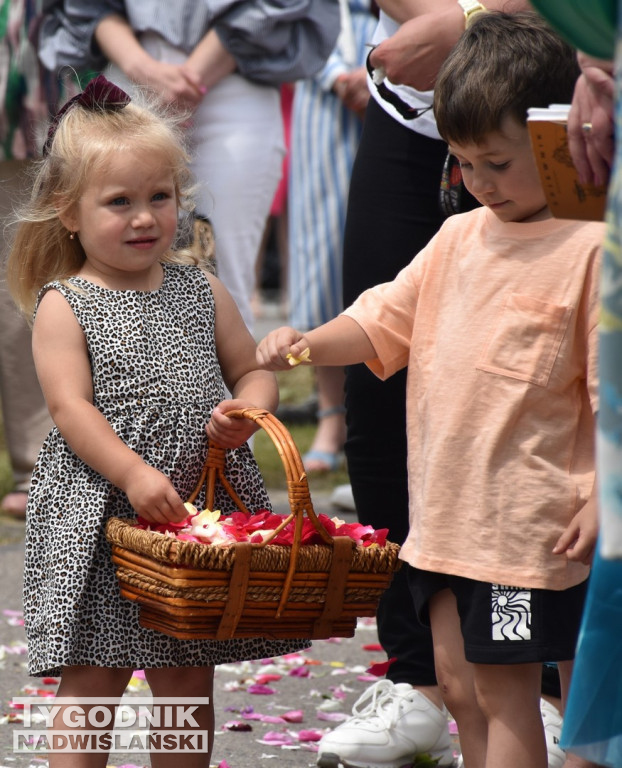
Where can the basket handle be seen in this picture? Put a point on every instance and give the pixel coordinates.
(297, 486)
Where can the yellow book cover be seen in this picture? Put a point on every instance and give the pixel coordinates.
(567, 198)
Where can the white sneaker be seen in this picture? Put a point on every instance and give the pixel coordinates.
(552, 731)
(342, 498)
(391, 724)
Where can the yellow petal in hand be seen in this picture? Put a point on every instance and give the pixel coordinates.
(304, 357)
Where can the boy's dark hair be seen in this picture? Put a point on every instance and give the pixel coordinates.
(502, 65)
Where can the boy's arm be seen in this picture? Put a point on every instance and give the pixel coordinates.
(342, 341)
(64, 371)
(578, 541)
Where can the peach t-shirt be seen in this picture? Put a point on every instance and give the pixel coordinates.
(497, 323)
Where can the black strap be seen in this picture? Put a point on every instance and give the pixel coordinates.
(405, 110)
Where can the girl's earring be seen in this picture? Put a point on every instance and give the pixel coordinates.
(72, 235)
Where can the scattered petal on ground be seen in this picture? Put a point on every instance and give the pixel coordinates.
(380, 668)
(333, 717)
(237, 725)
(260, 690)
(294, 716)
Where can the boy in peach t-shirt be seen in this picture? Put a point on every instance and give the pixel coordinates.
(496, 320)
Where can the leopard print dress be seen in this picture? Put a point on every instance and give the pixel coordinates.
(156, 378)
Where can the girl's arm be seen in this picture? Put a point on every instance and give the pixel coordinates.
(250, 386)
(341, 341)
(64, 371)
(172, 82)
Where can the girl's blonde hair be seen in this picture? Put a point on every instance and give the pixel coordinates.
(42, 250)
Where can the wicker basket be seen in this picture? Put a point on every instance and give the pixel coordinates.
(192, 590)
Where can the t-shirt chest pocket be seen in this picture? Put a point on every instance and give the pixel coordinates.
(525, 340)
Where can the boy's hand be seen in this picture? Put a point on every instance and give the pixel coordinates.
(578, 541)
(273, 351)
(228, 432)
(152, 495)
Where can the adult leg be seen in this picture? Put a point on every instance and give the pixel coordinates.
(330, 434)
(79, 682)
(238, 154)
(191, 683)
(25, 416)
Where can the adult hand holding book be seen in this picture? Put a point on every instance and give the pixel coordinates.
(590, 120)
(567, 196)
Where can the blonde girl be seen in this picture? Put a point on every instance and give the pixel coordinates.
(133, 351)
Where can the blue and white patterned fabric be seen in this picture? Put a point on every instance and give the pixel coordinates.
(324, 139)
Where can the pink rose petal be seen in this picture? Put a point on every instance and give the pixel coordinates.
(272, 719)
(277, 739)
(380, 668)
(334, 717)
(299, 672)
(294, 716)
(260, 690)
(310, 735)
(267, 678)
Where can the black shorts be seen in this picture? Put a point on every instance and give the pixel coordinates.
(506, 625)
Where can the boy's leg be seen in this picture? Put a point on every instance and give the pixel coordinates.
(509, 698)
(191, 683)
(455, 679)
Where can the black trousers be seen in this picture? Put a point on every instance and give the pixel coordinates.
(393, 211)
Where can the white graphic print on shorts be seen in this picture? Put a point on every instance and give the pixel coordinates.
(511, 613)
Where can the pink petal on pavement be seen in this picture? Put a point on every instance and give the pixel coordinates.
(260, 690)
(299, 672)
(294, 716)
(277, 738)
(334, 717)
(310, 735)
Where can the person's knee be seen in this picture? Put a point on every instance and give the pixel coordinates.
(186, 681)
(457, 695)
(503, 688)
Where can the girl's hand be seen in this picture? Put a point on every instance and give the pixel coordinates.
(579, 539)
(152, 495)
(230, 432)
(273, 351)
